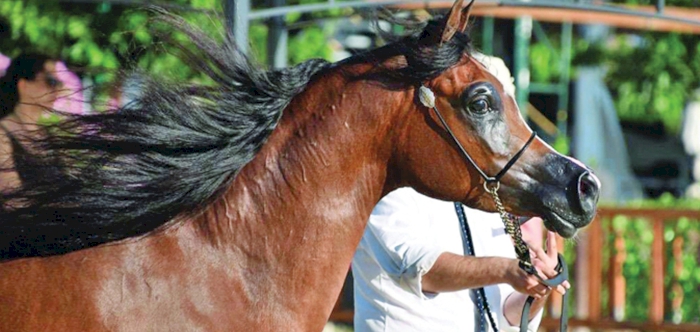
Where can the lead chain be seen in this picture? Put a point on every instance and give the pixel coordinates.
(512, 228)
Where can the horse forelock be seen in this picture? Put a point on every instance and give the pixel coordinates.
(418, 55)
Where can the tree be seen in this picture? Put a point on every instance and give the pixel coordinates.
(99, 39)
(653, 74)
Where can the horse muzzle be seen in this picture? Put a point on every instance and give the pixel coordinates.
(570, 201)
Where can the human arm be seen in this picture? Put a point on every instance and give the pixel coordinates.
(455, 272)
(452, 272)
(9, 179)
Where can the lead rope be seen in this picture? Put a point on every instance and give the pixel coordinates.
(521, 250)
(481, 301)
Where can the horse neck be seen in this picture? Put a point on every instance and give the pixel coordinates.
(299, 209)
(326, 162)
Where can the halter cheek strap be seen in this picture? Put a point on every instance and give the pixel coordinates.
(427, 98)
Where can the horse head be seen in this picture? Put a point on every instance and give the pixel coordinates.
(466, 130)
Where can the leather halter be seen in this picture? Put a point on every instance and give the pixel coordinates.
(428, 99)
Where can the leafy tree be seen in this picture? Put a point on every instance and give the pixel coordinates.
(100, 38)
(652, 75)
(653, 81)
(96, 38)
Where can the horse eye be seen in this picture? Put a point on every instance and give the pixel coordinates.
(480, 105)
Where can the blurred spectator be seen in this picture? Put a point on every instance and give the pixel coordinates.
(27, 90)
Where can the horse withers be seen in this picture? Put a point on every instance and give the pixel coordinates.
(237, 205)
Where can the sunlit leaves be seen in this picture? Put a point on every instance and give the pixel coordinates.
(653, 81)
(309, 43)
(544, 63)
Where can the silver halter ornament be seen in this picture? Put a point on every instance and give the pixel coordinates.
(512, 226)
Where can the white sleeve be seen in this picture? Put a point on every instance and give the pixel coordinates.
(532, 326)
(398, 236)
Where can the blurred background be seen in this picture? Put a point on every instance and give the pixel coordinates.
(615, 84)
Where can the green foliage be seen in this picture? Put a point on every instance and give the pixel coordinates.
(653, 81)
(651, 75)
(561, 144)
(544, 63)
(586, 53)
(100, 39)
(310, 43)
(666, 201)
(638, 235)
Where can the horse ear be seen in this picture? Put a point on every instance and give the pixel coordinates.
(457, 20)
(464, 21)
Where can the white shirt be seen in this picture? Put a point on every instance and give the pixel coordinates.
(405, 235)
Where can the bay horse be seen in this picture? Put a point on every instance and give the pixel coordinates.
(236, 205)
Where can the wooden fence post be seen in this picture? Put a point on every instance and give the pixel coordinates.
(656, 308)
(616, 280)
(676, 288)
(595, 251)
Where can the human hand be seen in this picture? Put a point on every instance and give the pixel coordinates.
(524, 282)
(546, 262)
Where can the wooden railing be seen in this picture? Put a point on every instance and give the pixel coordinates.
(589, 279)
(589, 276)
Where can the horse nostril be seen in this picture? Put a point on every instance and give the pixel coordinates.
(588, 192)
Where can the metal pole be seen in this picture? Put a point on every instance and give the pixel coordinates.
(523, 34)
(660, 6)
(277, 39)
(237, 14)
(487, 35)
(586, 7)
(562, 112)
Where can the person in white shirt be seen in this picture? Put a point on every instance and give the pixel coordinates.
(411, 273)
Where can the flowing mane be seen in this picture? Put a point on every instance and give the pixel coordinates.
(174, 150)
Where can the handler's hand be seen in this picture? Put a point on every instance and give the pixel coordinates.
(546, 262)
(524, 282)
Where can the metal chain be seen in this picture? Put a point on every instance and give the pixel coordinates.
(521, 249)
(512, 227)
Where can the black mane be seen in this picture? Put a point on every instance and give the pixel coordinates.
(172, 151)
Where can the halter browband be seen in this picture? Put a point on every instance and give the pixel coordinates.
(427, 97)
